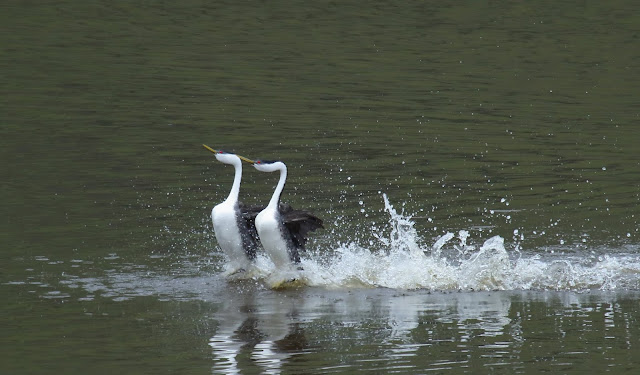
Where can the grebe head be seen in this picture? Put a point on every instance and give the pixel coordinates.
(269, 165)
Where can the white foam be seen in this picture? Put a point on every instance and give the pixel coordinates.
(399, 261)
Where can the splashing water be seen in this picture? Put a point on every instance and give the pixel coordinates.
(401, 263)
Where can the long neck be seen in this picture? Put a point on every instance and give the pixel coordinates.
(235, 188)
(275, 198)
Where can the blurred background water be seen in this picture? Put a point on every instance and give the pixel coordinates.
(502, 136)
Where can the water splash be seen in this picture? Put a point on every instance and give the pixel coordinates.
(452, 263)
(400, 259)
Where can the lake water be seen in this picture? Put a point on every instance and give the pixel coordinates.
(475, 165)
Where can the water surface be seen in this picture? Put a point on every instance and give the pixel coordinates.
(476, 167)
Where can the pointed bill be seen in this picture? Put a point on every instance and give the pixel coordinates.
(246, 160)
(210, 149)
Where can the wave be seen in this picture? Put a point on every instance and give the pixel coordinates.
(452, 263)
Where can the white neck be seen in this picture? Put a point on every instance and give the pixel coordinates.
(235, 188)
(275, 198)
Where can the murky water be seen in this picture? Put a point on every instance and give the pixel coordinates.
(476, 167)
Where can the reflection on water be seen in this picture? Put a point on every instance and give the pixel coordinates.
(316, 329)
(337, 332)
(268, 333)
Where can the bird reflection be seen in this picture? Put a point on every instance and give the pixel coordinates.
(262, 331)
(271, 354)
(295, 341)
(251, 335)
(248, 333)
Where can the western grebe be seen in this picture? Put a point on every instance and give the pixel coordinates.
(233, 222)
(282, 229)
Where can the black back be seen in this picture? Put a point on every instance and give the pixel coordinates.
(247, 220)
(299, 223)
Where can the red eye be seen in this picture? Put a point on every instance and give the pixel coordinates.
(258, 162)
(219, 152)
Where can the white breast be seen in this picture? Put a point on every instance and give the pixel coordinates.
(268, 227)
(227, 233)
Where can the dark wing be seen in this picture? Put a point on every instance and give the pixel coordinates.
(298, 224)
(247, 219)
(250, 212)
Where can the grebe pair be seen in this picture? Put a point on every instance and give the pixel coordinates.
(280, 229)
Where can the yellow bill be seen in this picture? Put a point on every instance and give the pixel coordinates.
(210, 149)
(246, 160)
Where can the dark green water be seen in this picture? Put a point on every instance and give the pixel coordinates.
(509, 119)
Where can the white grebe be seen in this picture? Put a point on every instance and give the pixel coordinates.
(233, 222)
(283, 230)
